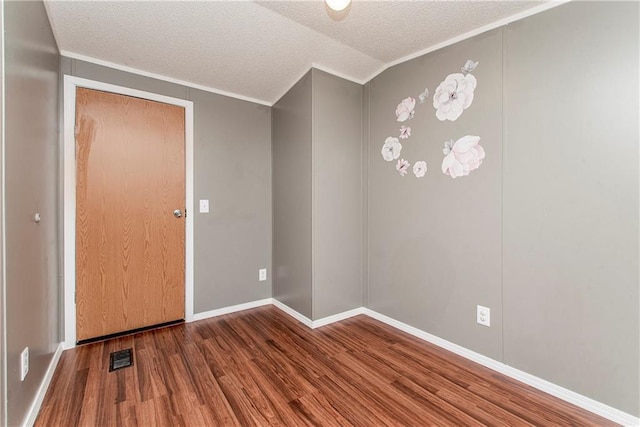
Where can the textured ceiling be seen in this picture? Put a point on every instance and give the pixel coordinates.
(257, 50)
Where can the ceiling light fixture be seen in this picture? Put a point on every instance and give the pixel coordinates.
(338, 5)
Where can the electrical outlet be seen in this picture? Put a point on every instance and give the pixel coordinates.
(262, 274)
(24, 363)
(484, 316)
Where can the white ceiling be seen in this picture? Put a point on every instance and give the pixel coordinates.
(257, 50)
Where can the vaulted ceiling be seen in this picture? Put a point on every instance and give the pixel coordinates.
(257, 49)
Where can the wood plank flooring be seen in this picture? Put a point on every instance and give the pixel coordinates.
(260, 367)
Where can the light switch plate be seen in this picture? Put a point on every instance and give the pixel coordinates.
(262, 274)
(204, 206)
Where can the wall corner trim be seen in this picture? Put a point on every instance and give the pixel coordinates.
(291, 312)
(338, 74)
(230, 309)
(323, 69)
(34, 409)
(313, 324)
(338, 317)
(572, 397)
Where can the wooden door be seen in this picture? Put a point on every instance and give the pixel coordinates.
(130, 178)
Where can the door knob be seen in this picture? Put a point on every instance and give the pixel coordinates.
(177, 213)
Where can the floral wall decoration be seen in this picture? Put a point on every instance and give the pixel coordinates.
(405, 132)
(455, 93)
(453, 96)
(403, 167)
(462, 156)
(419, 169)
(391, 149)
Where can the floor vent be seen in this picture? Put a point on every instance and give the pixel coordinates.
(120, 359)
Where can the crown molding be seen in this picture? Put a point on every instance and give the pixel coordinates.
(161, 77)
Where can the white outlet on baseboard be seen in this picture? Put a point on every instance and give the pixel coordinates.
(484, 316)
(24, 363)
(262, 274)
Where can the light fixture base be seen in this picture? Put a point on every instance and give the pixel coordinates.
(338, 5)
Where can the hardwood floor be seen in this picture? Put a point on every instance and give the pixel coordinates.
(261, 367)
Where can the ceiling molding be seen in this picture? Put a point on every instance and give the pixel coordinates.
(139, 72)
(338, 74)
(497, 24)
(501, 23)
(295, 81)
(321, 68)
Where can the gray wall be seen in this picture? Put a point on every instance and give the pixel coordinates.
(571, 285)
(434, 242)
(3, 309)
(337, 195)
(317, 195)
(31, 148)
(545, 232)
(291, 145)
(232, 169)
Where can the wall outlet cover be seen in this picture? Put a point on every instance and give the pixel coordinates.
(262, 274)
(483, 316)
(24, 363)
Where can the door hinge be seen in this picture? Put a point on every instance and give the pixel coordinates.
(185, 213)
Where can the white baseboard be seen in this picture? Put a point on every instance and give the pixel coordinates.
(32, 414)
(337, 317)
(574, 398)
(282, 306)
(231, 309)
(320, 322)
(291, 312)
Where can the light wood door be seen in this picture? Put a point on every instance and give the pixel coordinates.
(130, 178)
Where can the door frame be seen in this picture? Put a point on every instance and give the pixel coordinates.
(69, 193)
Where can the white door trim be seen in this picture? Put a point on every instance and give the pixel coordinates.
(69, 186)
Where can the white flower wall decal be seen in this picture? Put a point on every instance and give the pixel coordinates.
(462, 157)
(419, 169)
(469, 66)
(403, 167)
(405, 132)
(404, 110)
(391, 149)
(423, 96)
(454, 95)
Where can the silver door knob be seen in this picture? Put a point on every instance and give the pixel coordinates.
(177, 213)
